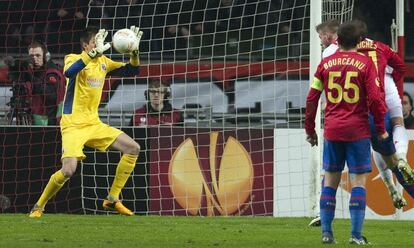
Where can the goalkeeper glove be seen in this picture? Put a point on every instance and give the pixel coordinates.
(99, 42)
(138, 34)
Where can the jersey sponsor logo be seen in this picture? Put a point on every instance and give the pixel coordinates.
(143, 120)
(95, 82)
(222, 190)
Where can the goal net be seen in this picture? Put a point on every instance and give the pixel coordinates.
(237, 70)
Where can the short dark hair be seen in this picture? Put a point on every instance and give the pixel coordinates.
(363, 28)
(328, 26)
(409, 98)
(349, 35)
(42, 45)
(157, 83)
(38, 43)
(88, 34)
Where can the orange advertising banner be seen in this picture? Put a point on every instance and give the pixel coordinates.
(209, 173)
(378, 199)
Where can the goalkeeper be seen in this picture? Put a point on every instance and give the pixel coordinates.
(80, 124)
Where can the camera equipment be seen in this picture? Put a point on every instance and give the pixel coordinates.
(19, 102)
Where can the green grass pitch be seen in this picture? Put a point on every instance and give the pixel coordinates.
(58, 230)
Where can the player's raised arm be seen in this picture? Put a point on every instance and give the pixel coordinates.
(395, 61)
(134, 56)
(92, 42)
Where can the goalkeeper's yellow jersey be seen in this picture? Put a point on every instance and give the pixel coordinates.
(84, 83)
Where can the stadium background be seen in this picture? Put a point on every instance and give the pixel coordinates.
(31, 154)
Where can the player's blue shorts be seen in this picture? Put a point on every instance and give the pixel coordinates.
(384, 147)
(357, 155)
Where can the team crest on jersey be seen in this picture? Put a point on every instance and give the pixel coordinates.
(103, 67)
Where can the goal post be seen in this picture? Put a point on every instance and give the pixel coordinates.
(400, 11)
(316, 151)
(321, 10)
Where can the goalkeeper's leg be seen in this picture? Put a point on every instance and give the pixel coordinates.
(386, 175)
(124, 169)
(57, 180)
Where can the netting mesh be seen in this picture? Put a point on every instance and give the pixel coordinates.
(236, 69)
(340, 10)
(232, 65)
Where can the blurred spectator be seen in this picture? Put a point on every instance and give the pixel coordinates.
(177, 28)
(408, 111)
(222, 15)
(378, 19)
(158, 110)
(65, 21)
(38, 88)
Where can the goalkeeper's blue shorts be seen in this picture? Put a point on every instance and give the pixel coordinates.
(357, 155)
(384, 147)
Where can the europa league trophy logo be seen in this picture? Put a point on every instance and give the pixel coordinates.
(228, 190)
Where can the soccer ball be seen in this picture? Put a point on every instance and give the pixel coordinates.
(125, 41)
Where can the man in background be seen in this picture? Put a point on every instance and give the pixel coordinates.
(48, 87)
(327, 32)
(39, 87)
(408, 111)
(158, 110)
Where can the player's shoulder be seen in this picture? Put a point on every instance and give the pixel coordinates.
(382, 46)
(72, 56)
(379, 43)
(331, 49)
(362, 57)
(104, 58)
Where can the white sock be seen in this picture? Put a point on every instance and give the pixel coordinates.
(385, 173)
(400, 138)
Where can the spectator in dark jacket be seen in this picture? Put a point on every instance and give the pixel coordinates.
(39, 87)
(47, 87)
(158, 110)
(408, 111)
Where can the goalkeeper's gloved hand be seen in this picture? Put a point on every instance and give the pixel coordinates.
(100, 48)
(138, 34)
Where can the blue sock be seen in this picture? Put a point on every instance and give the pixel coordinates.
(357, 206)
(408, 187)
(327, 207)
